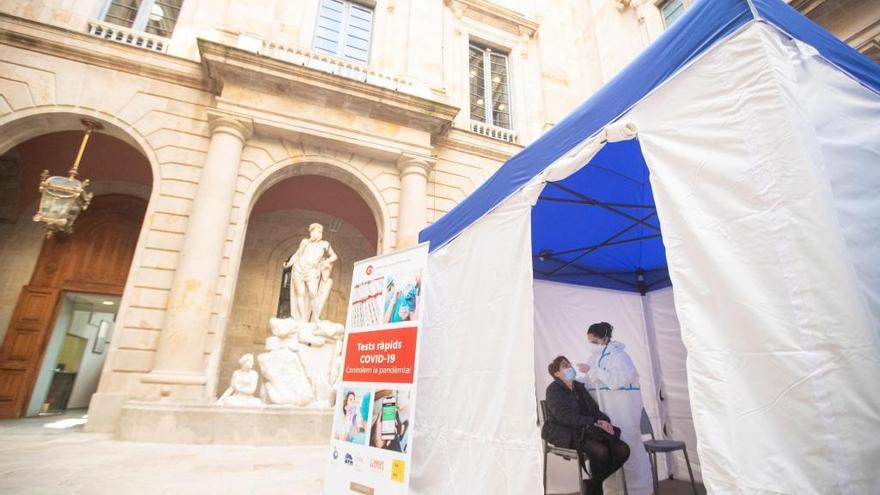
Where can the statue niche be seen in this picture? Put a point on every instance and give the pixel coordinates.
(301, 364)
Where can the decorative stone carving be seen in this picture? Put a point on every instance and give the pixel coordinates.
(242, 386)
(284, 375)
(301, 374)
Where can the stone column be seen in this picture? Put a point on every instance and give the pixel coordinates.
(180, 357)
(413, 208)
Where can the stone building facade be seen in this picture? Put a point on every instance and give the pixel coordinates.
(230, 125)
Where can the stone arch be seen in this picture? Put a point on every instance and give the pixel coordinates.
(329, 167)
(20, 126)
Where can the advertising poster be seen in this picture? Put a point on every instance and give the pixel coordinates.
(371, 449)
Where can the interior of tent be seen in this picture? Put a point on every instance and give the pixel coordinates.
(716, 202)
(597, 255)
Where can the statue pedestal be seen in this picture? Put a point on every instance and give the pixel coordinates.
(206, 423)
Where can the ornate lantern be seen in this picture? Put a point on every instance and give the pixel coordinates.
(64, 198)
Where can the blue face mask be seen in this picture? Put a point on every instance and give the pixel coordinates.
(569, 373)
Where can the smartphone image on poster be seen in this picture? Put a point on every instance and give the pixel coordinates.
(389, 418)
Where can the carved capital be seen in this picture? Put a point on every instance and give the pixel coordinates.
(241, 128)
(409, 164)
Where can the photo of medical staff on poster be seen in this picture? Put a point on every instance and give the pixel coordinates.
(371, 444)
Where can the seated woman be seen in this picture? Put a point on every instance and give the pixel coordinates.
(574, 421)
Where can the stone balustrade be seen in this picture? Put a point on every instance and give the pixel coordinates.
(493, 132)
(341, 67)
(128, 36)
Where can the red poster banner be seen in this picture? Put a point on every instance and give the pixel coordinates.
(386, 356)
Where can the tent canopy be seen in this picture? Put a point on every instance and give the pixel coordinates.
(760, 130)
(599, 226)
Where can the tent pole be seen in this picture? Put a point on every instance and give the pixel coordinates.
(656, 373)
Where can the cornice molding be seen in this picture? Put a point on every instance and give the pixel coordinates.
(496, 15)
(86, 49)
(223, 64)
(478, 145)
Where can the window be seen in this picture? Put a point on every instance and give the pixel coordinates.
(344, 30)
(152, 16)
(490, 94)
(671, 10)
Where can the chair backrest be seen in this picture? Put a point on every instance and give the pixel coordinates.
(543, 410)
(646, 427)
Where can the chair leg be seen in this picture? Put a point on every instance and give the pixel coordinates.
(690, 472)
(545, 472)
(623, 477)
(582, 487)
(654, 474)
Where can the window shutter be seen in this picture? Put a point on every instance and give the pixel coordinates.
(122, 12)
(163, 17)
(671, 11)
(478, 84)
(357, 33)
(344, 30)
(500, 91)
(329, 27)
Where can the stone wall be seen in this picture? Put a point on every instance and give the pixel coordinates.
(271, 238)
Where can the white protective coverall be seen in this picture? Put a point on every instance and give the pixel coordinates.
(614, 383)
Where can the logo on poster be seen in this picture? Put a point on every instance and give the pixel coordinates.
(398, 467)
(369, 269)
(377, 465)
(349, 460)
(335, 454)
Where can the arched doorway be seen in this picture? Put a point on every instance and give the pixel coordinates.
(60, 293)
(277, 223)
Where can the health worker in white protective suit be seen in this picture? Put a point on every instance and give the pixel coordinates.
(612, 379)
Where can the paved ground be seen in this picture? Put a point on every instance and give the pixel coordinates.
(38, 460)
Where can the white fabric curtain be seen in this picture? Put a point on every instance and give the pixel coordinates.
(475, 415)
(776, 305)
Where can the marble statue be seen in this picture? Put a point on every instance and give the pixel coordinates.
(310, 268)
(242, 386)
(303, 355)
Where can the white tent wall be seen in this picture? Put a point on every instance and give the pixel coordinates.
(847, 132)
(562, 314)
(782, 356)
(476, 417)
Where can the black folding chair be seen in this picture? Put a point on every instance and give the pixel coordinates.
(567, 454)
(654, 446)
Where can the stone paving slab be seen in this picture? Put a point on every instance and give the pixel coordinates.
(38, 460)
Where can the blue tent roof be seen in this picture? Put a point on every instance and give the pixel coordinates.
(598, 227)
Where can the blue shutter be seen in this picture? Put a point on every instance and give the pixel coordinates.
(671, 11)
(329, 28)
(344, 30)
(357, 33)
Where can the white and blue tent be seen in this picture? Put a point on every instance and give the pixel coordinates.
(734, 166)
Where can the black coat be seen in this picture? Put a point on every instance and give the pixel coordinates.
(568, 413)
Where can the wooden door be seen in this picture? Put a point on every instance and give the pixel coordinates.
(95, 259)
(24, 344)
